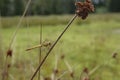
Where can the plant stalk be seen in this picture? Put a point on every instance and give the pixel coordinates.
(40, 65)
(40, 51)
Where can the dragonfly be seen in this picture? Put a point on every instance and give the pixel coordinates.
(45, 44)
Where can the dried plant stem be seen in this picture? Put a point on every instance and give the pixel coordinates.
(68, 66)
(68, 25)
(62, 75)
(1, 55)
(40, 51)
(84, 76)
(69, 69)
(7, 65)
(5, 71)
(94, 70)
(19, 23)
(55, 71)
(12, 40)
(56, 62)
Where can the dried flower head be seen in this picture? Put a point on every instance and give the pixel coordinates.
(9, 65)
(85, 74)
(72, 74)
(56, 71)
(83, 8)
(85, 70)
(9, 53)
(47, 78)
(114, 55)
(62, 56)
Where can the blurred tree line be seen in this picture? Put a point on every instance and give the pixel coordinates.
(45, 7)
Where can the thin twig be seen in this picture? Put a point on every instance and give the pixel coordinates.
(5, 70)
(18, 25)
(40, 51)
(94, 70)
(70, 69)
(68, 25)
(55, 71)
(13, 38)
(62, 75)
(68, 66)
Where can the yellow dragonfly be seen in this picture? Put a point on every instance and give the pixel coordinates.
(45, 44)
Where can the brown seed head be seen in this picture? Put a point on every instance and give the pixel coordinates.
(9, 65)
(83, 8)
(72, 74)
(62, 56)
(89, 1)
(85, 70)
(114, 55)
(47, 78)
(56, 71)
(9, 53)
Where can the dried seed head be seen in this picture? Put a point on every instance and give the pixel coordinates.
(114, 55)
(85, 74)
(47, 78)
(83, 8)
(89, 1)
(85, 70)
(72, 74)
(62, 56)
(8, 66)
(56, 71)
(9, 53)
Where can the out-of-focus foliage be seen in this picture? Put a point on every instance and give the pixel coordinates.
(5, 7)
(37, 7)
(46, 7)
(18, 7)
(114, 6)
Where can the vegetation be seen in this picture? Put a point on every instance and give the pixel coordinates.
(8, 22)
(45, 7)
(89, 48)
(88, 43)
(114, 6)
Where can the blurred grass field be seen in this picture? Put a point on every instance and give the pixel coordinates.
(87, 43)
